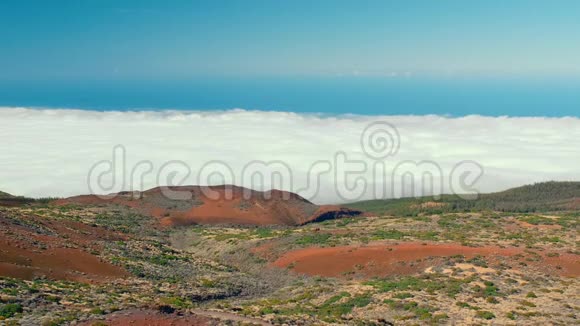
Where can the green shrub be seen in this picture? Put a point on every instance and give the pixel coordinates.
(437, 318)
(9, 310)
(427, 235)
(207, 283)
(490, 289)
(492, 300)
(409, 283)
(537, 220)
(485, 314)
(466, 305)
(331, 310)
(176, 302)
(388, 234)
(527, 303)
(264, 232)
(551, 239)
(310, 239)
(97, 311)
(403, 295)
(336, 298)
(478, 261)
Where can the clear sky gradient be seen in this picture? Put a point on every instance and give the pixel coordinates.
(446, 73)
(495, 57)
(101, 39)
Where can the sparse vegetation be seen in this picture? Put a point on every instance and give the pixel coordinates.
(10, 309)
(230, 268)
(541, 197)
(485, 314)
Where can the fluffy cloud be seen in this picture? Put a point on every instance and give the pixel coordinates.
(50, 152)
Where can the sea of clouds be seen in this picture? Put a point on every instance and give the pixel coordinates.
(50, 152)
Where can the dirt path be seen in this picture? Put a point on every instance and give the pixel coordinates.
(229, 316)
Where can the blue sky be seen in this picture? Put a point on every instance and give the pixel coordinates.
(445, 72)
(171, 40)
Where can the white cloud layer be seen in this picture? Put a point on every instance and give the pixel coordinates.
(50, 152)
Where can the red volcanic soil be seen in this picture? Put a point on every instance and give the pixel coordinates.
(151, 318)
(219, 205)
(33, 247)
(407, 258)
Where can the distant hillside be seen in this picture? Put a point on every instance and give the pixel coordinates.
(5, 195)
(7, 199)
(539, 197)
(244, 207)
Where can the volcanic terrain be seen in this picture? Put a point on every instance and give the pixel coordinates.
(36, 247)
(188, 205)
(230, 255)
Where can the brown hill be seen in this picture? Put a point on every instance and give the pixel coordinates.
(219, 205)
(9, 200)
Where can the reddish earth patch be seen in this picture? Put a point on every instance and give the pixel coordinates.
(219, 205)
(151, 318)
(407, 258)
(32, 246)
